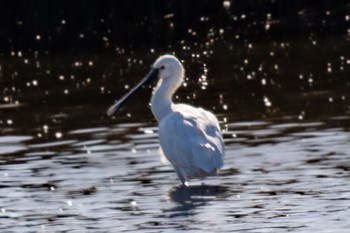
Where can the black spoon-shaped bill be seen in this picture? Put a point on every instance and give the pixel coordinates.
(115, 107)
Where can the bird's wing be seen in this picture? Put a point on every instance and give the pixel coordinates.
(192, 138)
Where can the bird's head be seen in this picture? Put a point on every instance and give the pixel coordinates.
(168, 66)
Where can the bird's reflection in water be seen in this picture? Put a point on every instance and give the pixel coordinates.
(192, 197)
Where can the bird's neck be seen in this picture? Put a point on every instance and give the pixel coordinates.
(161, 102)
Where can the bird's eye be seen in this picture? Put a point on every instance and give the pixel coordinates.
(162, 67)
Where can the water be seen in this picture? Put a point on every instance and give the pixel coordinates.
(283, 104)
(278, 177)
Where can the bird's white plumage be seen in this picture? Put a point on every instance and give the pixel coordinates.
(190, 137)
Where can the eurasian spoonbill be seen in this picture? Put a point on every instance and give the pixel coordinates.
(190, 137)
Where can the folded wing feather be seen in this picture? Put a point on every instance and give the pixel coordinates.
(191, 139)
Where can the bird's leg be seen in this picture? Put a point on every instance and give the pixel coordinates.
(184, 181)
(183, 177)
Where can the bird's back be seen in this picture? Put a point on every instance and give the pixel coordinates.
(191, 140)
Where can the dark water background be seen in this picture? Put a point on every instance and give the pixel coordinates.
(276, 74)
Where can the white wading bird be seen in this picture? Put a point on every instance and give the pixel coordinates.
(189, 137)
